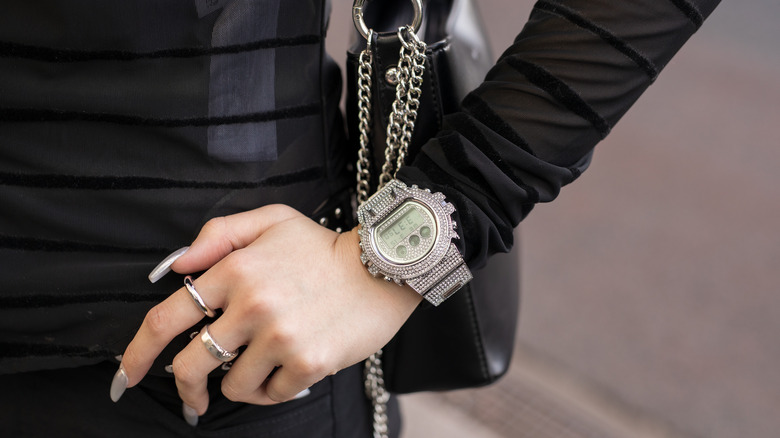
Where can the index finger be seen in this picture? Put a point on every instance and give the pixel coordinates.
(162, 323)
(223, 235)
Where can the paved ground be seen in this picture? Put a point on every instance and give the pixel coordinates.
(651, 305)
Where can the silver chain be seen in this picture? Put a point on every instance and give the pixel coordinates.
(364, 114)
(400, 126)
(376, 391)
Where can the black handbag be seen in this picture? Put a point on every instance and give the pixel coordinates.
(468, 340)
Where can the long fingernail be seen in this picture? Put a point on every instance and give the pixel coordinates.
(118, 384)
(302, 394)
(165, 266)
(190, 416)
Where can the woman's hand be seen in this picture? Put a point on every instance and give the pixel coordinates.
(292, 291)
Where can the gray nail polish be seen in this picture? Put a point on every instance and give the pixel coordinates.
(165, 266)
(190, 416)
(305, 393)
(118, 384)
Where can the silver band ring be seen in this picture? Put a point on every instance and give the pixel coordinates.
(214, 348)
(208, 311)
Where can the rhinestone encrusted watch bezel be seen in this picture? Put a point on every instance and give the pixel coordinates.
(380, 206)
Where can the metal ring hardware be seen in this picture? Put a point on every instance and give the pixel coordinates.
(360, 24)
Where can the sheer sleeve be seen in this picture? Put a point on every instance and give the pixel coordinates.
(531, 126)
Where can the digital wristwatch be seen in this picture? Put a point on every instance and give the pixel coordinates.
(406, 236)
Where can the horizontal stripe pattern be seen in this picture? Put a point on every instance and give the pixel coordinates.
(561, 92)
(690, 11)
(108, 159)
(146, 183)
(49, 245)
(50, 115)
(38, 300)
(25, 51)
(12, 350)
(618, 44)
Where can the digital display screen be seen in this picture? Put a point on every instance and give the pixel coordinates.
(402, 227)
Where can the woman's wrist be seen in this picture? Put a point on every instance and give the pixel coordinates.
(403, 298)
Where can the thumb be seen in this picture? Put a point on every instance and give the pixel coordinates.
(222, 235)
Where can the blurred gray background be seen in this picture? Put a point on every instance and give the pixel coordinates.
(650, 297)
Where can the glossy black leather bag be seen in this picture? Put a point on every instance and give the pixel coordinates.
(468, 340)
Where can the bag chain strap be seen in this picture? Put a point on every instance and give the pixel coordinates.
(364, 114)
(400, 126)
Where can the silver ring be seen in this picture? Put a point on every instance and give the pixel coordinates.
(214, 348)
(360, 24)
(208, 311)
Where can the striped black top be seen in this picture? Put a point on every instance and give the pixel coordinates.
(124, 126)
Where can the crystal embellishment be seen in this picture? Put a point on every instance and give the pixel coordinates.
(436, 269)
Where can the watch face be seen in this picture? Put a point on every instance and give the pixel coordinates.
(406, 235)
